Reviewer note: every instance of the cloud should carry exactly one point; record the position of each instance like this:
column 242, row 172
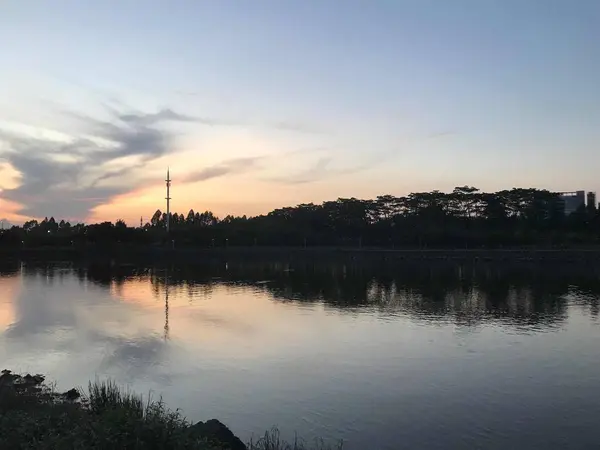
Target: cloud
column 440, row 134
column 65, row 178
column 315, row 172
column 167, row 114
column 148, row 119
column 111, row 174
column 170, row 115
column 321, row 169
column 280, row 125
column 243, row 165
column 229, row 167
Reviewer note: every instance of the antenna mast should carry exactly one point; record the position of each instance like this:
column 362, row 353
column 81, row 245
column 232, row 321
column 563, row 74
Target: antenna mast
column 168, row 199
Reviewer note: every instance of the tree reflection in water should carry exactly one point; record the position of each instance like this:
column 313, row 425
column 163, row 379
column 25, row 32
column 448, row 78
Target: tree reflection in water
column 524, row 297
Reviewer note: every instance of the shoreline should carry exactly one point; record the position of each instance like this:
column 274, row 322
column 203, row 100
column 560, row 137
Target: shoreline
column 124, row 253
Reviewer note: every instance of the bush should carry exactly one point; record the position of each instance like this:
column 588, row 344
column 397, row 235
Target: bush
column 34, row 416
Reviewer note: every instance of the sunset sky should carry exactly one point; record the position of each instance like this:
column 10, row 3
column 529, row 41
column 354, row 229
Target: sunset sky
column 261, row 104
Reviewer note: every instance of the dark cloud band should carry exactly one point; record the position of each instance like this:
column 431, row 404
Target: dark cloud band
column 57, row 177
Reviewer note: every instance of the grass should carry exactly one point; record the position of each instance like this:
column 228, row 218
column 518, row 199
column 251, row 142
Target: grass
column 272, row 441
column 34, row 416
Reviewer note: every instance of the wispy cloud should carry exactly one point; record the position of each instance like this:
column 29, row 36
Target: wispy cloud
column 111, row 174
column 440, row 134
column 315, row 172
column 61, row 178
column 237, row 166
column 160, row 116
column 335, row 163
column 319, row 170
column 229, row 167
column 296, row 126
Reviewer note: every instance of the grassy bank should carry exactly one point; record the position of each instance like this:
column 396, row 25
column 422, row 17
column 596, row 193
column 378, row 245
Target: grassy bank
column 34, row 416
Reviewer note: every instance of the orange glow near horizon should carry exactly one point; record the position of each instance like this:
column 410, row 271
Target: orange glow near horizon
column 10, row 211
column 9, row 179
column 241, row 194
column 238, row 196
column 243, row 190
column 9, row 288
column 235, row 196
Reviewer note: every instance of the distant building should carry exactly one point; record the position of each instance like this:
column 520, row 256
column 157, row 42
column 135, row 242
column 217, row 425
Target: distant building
column 591, row 200
column 572, row 201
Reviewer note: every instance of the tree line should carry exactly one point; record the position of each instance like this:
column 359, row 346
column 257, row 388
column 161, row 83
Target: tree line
column 463, row 218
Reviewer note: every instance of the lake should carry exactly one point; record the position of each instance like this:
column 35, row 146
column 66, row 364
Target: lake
column 433, row 356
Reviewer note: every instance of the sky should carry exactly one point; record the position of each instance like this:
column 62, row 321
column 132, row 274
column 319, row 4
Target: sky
column 256, row 105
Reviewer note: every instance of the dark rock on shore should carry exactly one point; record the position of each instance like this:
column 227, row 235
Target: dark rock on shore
column 72, row 394
column 217, row 433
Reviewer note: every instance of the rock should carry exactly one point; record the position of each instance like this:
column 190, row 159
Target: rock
column 72, row 394
column 217, row 433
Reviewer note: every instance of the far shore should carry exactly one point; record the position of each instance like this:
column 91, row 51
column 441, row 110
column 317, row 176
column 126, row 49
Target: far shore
column 126, row 253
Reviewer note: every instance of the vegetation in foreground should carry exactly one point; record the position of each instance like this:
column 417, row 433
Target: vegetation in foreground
column 463, row 218
column 34, row 416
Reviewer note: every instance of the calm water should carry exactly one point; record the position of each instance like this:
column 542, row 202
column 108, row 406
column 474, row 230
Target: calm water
column 435, row 357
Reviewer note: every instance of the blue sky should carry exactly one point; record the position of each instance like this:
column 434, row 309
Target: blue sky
column 261, row 104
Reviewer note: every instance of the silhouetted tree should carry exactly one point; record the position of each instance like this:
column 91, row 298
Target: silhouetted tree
column 463, row 217
column 156, row 218
column 191, row 217
column 30, row 225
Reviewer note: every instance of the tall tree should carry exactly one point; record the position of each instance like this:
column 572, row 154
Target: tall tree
column 191, row 217
column 156, row 218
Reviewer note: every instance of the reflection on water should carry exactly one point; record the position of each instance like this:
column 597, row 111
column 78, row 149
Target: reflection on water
column 428, row 357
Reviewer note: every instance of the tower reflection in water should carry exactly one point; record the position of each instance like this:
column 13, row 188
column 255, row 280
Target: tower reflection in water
column 166, row 330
